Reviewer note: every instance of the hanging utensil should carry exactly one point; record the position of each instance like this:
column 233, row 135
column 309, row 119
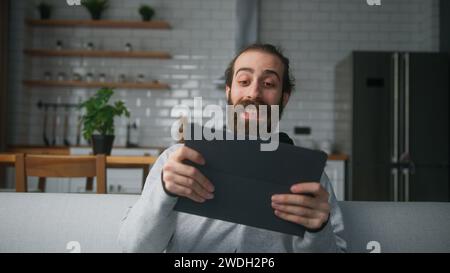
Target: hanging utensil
column 66, row 125
column 54, row 126
column 78, row 137
column 44, row 132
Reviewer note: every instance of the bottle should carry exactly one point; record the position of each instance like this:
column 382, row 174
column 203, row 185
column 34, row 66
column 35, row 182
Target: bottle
column 102, row 77
column 128, row 47
column 140, row 78
column 58, row 45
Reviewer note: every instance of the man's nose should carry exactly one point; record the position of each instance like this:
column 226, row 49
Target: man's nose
column 254, row 90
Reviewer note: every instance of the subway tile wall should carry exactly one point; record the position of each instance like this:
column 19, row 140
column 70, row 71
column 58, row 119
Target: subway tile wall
column 316, row 35
column 201, row 42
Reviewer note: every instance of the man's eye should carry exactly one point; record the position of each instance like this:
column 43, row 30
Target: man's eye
column 268, row 84
column 243, row 82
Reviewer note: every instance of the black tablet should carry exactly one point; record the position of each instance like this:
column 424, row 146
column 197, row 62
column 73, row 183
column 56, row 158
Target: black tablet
column 245, row 178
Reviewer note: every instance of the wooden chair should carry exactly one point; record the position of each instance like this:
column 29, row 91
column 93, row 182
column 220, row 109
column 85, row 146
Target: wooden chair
column 62, row 166
column 8, row 159
column 15, row 160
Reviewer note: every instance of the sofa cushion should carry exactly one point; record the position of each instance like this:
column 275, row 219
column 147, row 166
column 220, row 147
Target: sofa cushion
column 59, row 222
column 397, row 226
column 56, row 222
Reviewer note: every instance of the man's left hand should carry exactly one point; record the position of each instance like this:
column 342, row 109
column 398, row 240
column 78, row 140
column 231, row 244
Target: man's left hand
column 307, row 205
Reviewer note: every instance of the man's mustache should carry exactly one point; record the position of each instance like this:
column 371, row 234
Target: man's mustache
column 256, row 102
column 247, row 101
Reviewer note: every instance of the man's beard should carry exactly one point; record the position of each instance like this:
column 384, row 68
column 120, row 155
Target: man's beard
column 265, row 121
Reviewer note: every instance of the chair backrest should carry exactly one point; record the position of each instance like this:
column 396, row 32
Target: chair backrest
column 63, row 166
column 10, row 159
column 7, row 159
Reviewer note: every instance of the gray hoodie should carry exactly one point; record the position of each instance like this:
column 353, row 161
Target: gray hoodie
column 152, row 225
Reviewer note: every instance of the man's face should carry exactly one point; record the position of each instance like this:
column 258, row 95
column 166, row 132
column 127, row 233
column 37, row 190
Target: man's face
column 257, row 80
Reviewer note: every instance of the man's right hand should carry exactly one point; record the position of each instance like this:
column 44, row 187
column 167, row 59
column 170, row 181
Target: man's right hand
column 184, row 180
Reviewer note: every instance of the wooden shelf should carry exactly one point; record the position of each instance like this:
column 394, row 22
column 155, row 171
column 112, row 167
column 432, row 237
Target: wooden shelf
column 157, row 24
column 97, row 53
column 125, row 85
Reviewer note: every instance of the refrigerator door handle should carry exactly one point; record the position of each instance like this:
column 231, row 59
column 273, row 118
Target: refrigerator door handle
column 406, row 179
column 406, row 103
column 394, row 174
column 394, row 147
column 406, row 133
column 394, row 158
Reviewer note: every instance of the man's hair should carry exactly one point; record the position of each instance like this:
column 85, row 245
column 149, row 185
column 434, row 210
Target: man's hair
column 288, row 80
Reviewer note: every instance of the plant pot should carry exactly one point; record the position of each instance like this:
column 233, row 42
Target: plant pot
column 96, row 15
column 44, row 13
column 146, row 17
column 102, row 144
column 146, row 13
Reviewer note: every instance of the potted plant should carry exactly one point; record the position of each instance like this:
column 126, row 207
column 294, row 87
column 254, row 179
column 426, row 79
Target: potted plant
column 45, row 10
column 146, row 12
column 98, row 120
column 95, row 7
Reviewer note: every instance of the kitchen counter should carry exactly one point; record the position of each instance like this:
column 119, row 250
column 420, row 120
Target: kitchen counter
column 124, row 178
column 82, row 149
column 122, row 150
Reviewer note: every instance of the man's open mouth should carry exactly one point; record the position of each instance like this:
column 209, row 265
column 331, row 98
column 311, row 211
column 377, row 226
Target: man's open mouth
column 250, row 115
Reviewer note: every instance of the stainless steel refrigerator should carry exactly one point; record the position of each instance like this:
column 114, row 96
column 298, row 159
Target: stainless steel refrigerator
column 399, row 139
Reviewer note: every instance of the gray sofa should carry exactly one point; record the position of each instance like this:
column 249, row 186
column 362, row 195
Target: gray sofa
column 56, row 222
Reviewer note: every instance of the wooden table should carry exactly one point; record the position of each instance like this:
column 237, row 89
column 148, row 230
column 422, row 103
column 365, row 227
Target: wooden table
column 126, row 162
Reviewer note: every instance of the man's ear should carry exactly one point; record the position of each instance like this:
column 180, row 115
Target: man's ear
column 227, row 91
column 286, row 97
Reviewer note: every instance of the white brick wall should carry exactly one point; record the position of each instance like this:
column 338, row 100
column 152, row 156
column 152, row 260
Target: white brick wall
column 201, row 49
column 316, row 35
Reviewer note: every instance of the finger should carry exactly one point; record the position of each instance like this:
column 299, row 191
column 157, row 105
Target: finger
column 184, row 191
column 300, row 211
column 192, row 184
column 310, row 223
column 296, row 199
column 314, row 188
column 190, row 154
column 189, row 171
